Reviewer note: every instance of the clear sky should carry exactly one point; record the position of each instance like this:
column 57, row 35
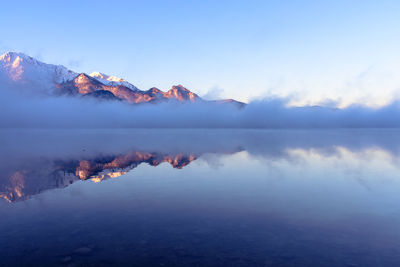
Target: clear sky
column 309, row 50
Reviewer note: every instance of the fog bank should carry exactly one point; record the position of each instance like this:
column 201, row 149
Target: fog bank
column 30, row 111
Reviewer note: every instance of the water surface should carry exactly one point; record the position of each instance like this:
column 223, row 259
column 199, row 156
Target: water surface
column 200, row 197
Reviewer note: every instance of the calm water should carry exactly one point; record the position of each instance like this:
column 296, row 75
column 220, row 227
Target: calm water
column 200, row 198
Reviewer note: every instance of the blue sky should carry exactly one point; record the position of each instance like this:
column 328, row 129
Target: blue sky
column 346, row 51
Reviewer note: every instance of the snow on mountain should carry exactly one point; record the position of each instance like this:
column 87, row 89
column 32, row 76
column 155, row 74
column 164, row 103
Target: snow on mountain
column 20, row 71
column 25, row 69
column 112, row 80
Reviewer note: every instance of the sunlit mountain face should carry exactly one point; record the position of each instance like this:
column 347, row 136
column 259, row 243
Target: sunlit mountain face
column 19, row 70
column 85, row 85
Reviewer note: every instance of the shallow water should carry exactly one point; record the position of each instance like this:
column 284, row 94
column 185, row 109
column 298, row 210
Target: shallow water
column 200, row 197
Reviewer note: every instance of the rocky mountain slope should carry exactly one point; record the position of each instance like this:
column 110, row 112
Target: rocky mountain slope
column 28, row 73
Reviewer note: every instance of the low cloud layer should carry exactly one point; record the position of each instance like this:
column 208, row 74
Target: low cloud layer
column 30, row 111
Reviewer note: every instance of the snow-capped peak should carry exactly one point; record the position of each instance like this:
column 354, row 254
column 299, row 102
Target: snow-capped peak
column 20, row 67
column 12, row 56
column 111, row 80
column 106, row 77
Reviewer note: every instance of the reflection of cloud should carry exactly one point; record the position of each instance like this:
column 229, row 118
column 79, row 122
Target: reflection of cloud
column 38, row 160
column 212, row 160
column 361, row 165
column 264, row 143
column 340, row 153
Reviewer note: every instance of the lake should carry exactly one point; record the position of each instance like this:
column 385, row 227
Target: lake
column 180, row 197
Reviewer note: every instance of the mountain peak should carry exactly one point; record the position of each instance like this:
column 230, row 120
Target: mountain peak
column 112, row 80
column 154, row 90
column 180, row 87
column 12, row 56
column 106, row 77
column 15, row 59
column 20, row 67
column 181, row 93
column 56, row 79
column 83, row 76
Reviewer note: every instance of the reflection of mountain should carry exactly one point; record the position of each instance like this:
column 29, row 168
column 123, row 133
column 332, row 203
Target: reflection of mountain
column 37, row 160
column 31, row 179
column 101, row 168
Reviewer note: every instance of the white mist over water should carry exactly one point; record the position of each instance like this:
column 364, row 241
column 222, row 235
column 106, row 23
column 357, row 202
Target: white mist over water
column 21, row 108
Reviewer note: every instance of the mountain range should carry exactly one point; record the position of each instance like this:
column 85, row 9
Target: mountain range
column 27, row 73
